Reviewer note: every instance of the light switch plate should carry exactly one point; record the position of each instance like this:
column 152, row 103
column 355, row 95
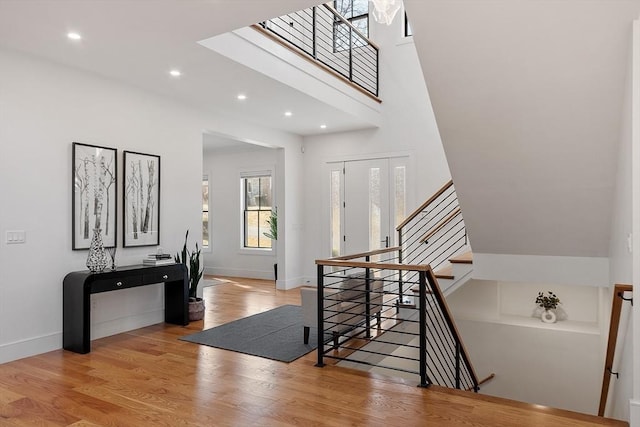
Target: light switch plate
column 16, row 236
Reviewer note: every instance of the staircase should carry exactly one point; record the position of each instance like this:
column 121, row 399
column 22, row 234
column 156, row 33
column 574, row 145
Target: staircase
column 435, row 234
column 456, row 273
column 415, row 335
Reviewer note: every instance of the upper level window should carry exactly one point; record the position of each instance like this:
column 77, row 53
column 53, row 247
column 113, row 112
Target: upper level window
column 257, row 202
column 357, row 13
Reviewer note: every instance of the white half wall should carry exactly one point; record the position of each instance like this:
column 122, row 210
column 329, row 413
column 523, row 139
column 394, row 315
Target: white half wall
column 536, row 365
column 558, row 365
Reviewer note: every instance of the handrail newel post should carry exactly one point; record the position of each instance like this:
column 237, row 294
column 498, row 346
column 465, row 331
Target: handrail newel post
column 424, row 381
column 401, row 273
column 350, row 54
column 313, row 29
column 367, row 300
column 320, row 316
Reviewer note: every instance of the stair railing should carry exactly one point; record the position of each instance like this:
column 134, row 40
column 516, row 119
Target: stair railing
column 433, row 233
column 326, row 36
column 616, row 309
column 418, row 337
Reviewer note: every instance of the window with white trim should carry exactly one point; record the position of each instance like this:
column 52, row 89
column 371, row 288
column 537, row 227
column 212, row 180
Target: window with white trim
column 206, row 243
column 257, row 203
column 357, row 13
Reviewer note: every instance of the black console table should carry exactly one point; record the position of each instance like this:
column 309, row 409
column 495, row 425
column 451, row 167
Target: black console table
column 78, row 286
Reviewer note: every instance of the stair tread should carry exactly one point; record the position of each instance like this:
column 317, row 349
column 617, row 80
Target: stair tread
column 465, row 258
column 524, row 411
column 445, row 272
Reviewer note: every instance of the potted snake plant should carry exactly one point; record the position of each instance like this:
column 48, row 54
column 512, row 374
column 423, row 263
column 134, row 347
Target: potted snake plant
column 192, row 261
column 273, row 234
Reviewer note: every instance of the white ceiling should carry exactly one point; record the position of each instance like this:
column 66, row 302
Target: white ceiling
column 137, row 42
column 223, row 144
column 528, row 97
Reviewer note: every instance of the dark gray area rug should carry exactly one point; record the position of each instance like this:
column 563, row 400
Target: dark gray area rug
column 275, row 334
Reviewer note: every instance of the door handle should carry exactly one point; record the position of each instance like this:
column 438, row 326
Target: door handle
column 385, row 241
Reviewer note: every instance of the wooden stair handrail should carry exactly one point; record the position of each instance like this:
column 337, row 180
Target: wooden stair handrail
column 424, row 205
column 365, row 254
column 365, row 264
column 486, row 380
column 441, row 224
column 616, row 308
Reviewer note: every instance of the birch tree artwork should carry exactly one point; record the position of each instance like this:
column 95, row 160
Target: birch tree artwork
column 141, row 199
column 94, row 194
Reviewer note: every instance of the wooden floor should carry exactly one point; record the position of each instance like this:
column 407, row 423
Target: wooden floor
column 148, row 377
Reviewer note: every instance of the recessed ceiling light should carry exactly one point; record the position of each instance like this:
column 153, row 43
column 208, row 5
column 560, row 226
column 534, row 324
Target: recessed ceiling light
column 242, row 97
column 74, row 36
column 288, row 113
column 323, row 126
column 175, row 73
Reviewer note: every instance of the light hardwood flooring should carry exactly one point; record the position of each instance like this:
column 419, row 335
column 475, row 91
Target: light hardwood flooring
column 147, row 377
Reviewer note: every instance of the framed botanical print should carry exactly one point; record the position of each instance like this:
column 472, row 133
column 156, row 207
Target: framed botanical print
column 94, row 202
column 141, row 200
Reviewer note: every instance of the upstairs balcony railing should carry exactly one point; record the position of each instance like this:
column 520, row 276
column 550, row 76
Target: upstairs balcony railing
column 323, row 34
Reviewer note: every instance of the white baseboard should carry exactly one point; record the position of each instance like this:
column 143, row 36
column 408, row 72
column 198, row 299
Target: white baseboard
column 310, row 281
column 237, row 272
column 285, row 285
column 45, row 343
column 30, row 347
column 634, row 413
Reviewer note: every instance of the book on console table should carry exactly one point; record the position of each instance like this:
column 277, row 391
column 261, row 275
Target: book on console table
column 160, row 256
column 154, row 261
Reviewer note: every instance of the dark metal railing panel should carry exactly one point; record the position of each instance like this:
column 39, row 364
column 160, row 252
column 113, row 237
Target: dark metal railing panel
column 436, row 234
column 417, row 337
column 327, row 37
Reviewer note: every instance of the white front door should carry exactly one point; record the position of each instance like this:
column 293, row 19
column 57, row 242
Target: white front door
column 366, row 206
column 367, row 201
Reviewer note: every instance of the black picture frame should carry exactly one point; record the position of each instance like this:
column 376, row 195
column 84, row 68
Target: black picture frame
column 141, row 199
column 94, row 194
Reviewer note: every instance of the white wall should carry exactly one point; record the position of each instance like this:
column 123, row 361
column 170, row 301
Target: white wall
column 621, row 263
column 549, row 367
column 620, row 388
column 45, row 107
column 407, row 127
column 225, row 256
column 558, row 365
column 588, row 271
column 634, row 412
